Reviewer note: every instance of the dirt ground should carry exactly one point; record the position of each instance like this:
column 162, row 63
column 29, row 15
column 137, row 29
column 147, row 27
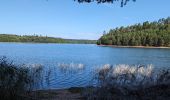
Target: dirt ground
column 62, row 94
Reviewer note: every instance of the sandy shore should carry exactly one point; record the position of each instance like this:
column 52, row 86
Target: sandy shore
column 115, row 46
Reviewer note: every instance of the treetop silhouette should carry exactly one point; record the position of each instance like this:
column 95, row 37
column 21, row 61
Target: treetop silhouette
column 123, row 2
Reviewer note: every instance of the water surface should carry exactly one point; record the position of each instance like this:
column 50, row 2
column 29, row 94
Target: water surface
column 71, row 65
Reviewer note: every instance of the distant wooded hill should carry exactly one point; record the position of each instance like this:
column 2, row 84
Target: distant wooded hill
column 155, row 33
column 41, row 39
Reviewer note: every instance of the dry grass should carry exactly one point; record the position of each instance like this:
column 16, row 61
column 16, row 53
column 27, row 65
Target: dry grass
column 71, row 67
column 130, row 82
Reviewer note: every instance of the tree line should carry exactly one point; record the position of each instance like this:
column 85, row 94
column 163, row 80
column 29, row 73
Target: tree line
column 41, row 39
column 155, row 33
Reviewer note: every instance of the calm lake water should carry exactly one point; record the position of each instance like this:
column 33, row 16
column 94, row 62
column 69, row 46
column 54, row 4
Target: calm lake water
column 71, row 65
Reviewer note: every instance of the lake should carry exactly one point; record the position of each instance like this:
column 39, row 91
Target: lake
column 70, row 65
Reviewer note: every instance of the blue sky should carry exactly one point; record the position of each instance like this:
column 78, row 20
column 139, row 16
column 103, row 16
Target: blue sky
column 69, row 19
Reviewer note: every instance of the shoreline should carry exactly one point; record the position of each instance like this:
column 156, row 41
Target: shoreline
column 72, row 93
column 76, row 93
column 114, row 46
column 41, row 43
column 151, row 47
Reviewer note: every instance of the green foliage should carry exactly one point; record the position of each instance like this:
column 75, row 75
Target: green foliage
column 41, row 39
column 78, row 41
column 147, row 34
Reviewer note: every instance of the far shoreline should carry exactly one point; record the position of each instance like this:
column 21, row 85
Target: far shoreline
column 149, row 47
column 42, row 43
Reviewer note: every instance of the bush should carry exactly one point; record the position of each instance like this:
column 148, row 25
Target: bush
column 16, row 81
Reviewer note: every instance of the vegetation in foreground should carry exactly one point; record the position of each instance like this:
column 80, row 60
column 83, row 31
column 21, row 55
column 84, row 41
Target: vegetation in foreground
column 120, row 82
column 124, row 82
column 41, row 39
column 155, row 33
column 17, row 81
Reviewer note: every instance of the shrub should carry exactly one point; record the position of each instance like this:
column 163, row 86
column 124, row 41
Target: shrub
column 16, row 80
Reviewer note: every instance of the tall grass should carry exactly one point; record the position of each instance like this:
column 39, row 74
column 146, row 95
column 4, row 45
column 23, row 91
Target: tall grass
column 130, row 82
column 71, row 67
column 17, row 80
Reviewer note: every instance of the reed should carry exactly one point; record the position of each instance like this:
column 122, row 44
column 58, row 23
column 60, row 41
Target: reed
column 124, row 82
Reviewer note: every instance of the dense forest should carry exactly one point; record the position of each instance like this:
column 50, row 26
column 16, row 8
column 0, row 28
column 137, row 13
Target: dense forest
column 41, row 39
column 155, row 33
